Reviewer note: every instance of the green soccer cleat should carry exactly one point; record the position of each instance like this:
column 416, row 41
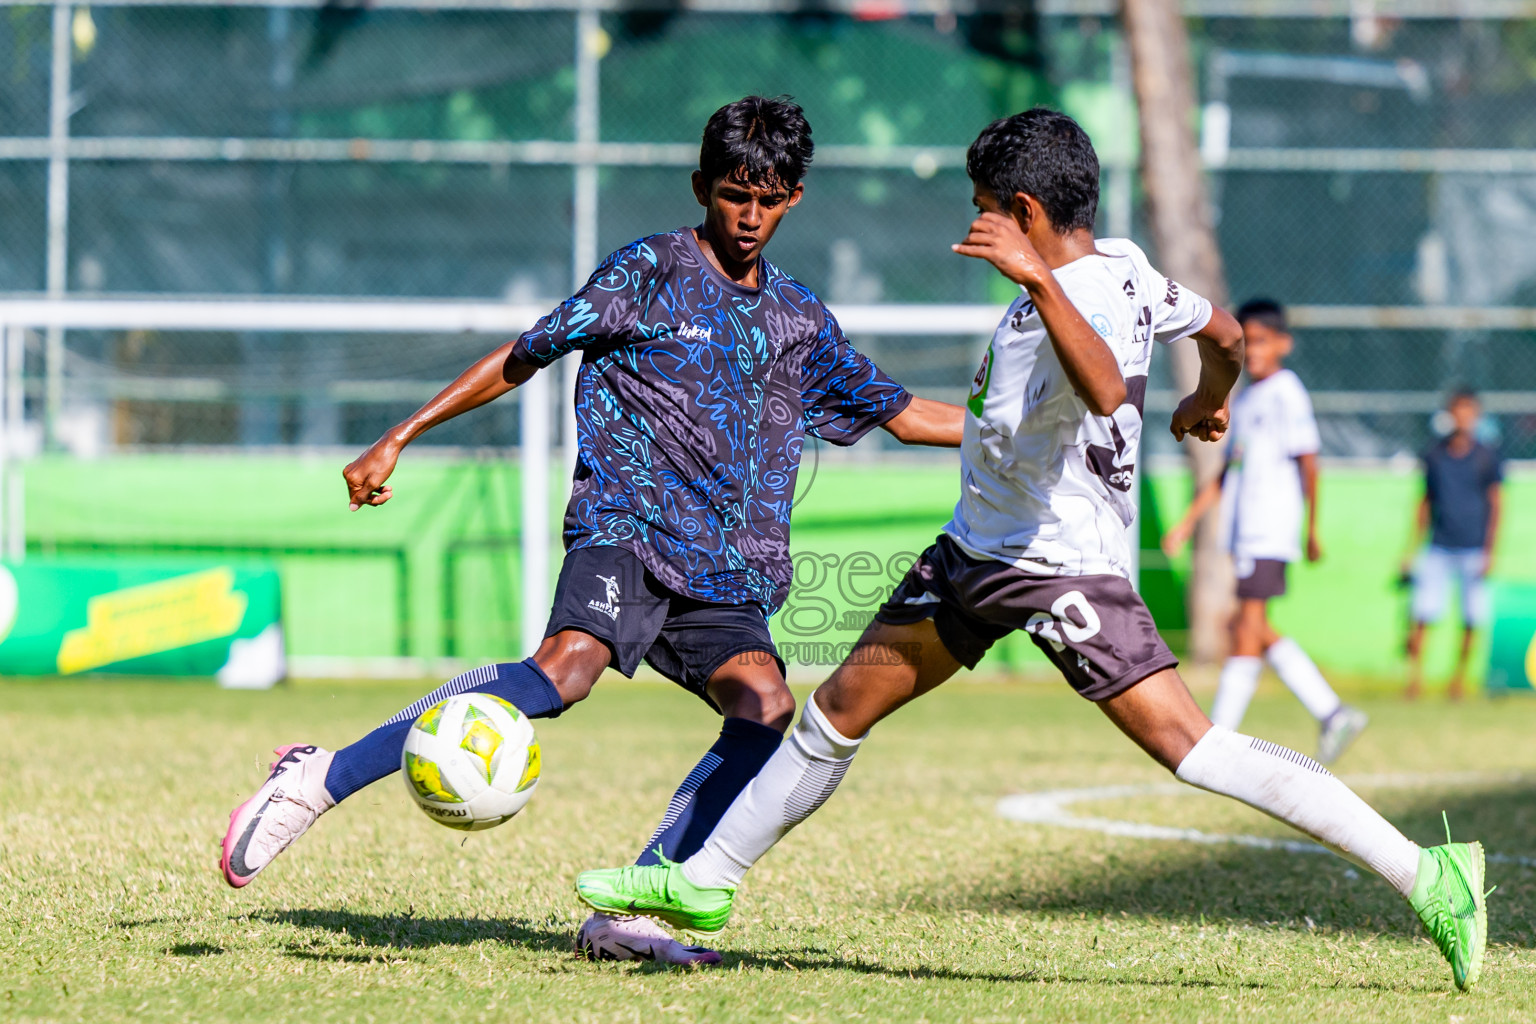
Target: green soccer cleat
column 657, row 890
column 1448, row 897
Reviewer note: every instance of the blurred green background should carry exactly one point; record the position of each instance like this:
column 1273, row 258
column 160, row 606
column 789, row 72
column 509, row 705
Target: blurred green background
column 451, row 529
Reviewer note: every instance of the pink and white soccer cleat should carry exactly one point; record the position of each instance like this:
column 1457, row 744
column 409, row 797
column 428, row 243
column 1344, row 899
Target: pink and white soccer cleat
column 603, row 937
column 282, row 810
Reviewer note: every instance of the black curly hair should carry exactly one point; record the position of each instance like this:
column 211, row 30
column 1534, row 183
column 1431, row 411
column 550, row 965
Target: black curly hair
column 1263, row 311
column 759, row 138
column 1043, row 153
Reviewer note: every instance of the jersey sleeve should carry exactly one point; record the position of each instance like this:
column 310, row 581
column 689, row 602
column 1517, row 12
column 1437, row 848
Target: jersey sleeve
column 843, row 393
column 1495, row 468
column 603, row 313
column 1177, row 312
column 1301, row 437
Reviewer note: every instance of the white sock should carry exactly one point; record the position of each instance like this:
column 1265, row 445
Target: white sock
column 1300, row 792
column 1239, row 680
column 1301, row 676
column 797, row 779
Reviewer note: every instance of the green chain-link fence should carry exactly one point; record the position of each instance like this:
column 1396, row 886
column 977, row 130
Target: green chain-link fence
column 1386, row 166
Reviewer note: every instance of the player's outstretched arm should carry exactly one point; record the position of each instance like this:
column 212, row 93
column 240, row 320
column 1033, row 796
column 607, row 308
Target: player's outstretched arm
column 485, row 381
column 1416, row 535
column 925, row 421
column 1495, row 513
column 1207, row 497
column 1089, row 364
column 1204, row 413
column 1307, row 465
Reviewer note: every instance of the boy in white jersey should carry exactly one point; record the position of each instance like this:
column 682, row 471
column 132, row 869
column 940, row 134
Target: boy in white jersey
column 1038, row 542
column 1269, row 479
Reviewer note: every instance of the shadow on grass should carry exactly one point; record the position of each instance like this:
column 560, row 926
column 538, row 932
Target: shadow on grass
column 805, row 962
column 381, row 957
column 196, row 949
column 1222, row 884
column 407, row 931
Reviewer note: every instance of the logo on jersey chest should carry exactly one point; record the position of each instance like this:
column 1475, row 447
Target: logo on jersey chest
column 692, row 332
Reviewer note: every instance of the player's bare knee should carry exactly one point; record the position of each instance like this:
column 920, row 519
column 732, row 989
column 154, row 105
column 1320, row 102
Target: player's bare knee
column 777, row 707
column 573, row 661
column 763, row 697
column 572, row 682
column 835, row 697
column 1160, row 716
column 1172, row 745
column 573, row 691
column 853, row 701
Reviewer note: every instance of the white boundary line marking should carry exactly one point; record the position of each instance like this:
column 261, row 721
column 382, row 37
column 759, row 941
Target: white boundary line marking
column 1051, row 807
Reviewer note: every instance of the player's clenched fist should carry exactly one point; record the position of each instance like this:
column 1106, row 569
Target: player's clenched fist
column 1198, row 418
column 365, row 475
column 997, row 238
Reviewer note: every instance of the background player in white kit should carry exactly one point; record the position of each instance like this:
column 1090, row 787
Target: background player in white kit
column 1270, row 478
column 1038, row 542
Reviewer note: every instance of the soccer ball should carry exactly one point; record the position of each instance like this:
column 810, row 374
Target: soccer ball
column 471, row 761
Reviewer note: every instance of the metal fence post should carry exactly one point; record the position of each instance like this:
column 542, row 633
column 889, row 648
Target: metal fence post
column 7, row 439
column 536, row 393
column 58, row 215
column 534, row 415
column 589, row 53
column 15, row 420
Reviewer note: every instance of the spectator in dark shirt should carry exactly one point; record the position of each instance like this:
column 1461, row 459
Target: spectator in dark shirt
column 1460, row 513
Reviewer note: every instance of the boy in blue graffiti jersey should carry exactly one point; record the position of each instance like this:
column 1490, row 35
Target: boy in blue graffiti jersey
column 703, row 368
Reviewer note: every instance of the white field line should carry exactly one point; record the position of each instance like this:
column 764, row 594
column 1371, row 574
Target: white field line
column 1052, row 808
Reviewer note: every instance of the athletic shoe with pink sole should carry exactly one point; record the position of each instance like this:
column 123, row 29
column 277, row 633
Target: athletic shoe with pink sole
column 282, row 810
column 605, row 937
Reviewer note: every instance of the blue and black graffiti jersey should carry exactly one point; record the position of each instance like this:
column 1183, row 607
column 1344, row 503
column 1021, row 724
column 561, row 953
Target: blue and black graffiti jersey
column 692, row 404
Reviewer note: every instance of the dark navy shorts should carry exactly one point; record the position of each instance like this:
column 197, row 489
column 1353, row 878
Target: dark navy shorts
column 609, row 593
column 1095, row 629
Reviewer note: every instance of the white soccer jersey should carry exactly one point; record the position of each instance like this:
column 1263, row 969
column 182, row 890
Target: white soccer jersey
column 1261, row 499
column 1046, row 484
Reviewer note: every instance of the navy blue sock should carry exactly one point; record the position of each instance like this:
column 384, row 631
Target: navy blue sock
column 376, row 755
column 701, row 801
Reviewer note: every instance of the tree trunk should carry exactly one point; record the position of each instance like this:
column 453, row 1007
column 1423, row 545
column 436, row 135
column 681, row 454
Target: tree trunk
column 1185, row 241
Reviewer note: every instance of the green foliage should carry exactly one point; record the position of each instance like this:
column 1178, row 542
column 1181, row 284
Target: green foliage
column 881, row 84
column 29, row 31
column 884, row 84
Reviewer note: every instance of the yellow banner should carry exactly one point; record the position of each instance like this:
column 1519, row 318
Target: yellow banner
column 155, row 617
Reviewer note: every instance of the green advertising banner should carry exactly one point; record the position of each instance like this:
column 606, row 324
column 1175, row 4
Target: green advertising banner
column 1512, row 650
column 69, row 616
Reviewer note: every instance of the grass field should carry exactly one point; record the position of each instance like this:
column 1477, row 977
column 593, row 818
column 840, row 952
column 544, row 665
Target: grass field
column 907, row 898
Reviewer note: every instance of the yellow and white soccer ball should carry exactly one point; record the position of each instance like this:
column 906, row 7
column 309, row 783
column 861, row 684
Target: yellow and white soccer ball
column 471, row 761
